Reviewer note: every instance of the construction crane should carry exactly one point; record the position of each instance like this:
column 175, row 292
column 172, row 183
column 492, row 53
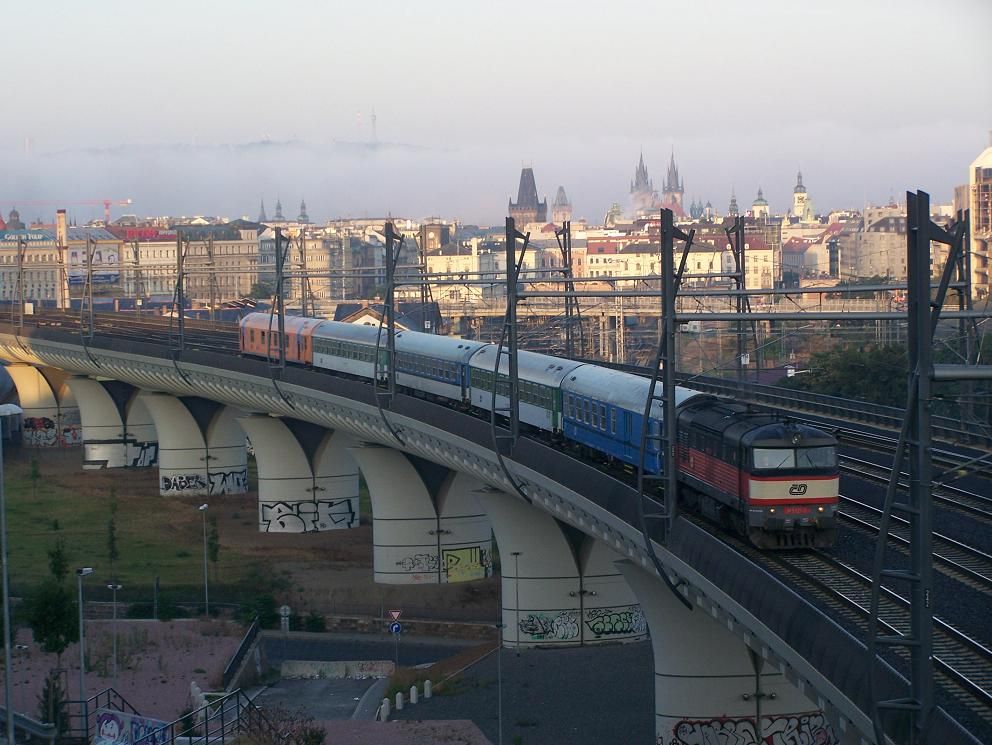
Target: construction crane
column 73, row 203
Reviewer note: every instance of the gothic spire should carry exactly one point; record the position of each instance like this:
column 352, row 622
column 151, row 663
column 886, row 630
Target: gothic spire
column 261, row 211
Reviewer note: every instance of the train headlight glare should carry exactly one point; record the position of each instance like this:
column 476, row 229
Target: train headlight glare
column 772, row 510
column 820, row 509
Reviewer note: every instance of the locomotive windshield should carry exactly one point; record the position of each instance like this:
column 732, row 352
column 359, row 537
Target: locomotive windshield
column 789, row 458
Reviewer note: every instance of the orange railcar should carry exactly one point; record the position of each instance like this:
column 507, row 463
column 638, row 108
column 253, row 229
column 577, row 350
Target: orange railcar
column 260, row 337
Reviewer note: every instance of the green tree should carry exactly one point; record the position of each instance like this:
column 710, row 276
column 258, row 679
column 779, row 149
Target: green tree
column 58, row 561
column 876, row 374
column 261, row 290
column 52, row 615
column 51, row 702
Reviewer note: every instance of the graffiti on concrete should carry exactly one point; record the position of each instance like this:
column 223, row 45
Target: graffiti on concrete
column 419, row 563
column 796, row 729
column 561, row 626
column 120, row 728
column 466, row 564
column 142, row 454
column 39, row 432
column 181, row 482
column 228, row 482
column 308, row 516
column 72, row 435
column 627, row 620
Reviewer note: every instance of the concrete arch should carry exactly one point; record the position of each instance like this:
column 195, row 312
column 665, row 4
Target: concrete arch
column 51, row 416
column 706, row 678
column 110, row 440
column 423, row 521
column 201, row 446
column 307, row 480
column 547, row 599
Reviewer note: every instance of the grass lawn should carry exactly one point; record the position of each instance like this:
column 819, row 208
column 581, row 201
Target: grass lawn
column 156, row 536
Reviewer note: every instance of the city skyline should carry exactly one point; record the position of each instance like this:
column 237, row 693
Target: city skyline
column 164, row 109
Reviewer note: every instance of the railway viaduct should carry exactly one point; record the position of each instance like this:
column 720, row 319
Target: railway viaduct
column 735, row 647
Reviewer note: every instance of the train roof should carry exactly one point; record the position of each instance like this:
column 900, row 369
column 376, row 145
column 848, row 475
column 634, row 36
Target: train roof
column 617, row 388
column 739, row 423
column 531, row 366
column 350, row 332
column 266, row 321
column 448, row 348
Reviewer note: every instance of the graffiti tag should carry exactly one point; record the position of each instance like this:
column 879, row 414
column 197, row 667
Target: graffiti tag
column 626, row 621
column 228, row 482
column 419, row 563
column 183, row 482
column 309, row 516
column 561, row 627
column 142, row 454
column 800, row 729
column 39, row 432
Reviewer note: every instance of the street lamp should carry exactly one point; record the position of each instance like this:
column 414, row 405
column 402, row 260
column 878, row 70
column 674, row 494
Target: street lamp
column 6, row 410
column 80, row 573
column 206, row 589
column 114, row 587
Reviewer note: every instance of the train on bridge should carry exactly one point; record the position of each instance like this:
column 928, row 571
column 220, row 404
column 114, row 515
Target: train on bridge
column 772, row 479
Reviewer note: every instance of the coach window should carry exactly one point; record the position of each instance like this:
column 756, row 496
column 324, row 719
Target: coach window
column 613, row 421
column 602, row 417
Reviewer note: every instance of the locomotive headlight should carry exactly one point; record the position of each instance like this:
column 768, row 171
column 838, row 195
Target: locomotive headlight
column 819, row 509
column 772, row 510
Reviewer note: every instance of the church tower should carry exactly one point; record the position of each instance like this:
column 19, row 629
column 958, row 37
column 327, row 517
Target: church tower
column 801, row 207
column 527, row 208
column 643, row 197
column 261, row 212
column 733, row 210
column 561, row 210
column 304, row 217
column 671, row 195
column 278, row 217
column 759, row 207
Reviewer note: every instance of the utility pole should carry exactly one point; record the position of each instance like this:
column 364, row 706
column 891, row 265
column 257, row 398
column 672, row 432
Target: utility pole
column 280, row 296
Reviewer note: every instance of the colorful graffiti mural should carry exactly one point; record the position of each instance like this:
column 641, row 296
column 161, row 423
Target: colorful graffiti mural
column 120, row 728
column 466, row 563
column 308, row 516
column 796, row 729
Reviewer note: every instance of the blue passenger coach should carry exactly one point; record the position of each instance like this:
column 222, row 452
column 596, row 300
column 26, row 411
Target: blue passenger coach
column 434, row 364
column 603, row 409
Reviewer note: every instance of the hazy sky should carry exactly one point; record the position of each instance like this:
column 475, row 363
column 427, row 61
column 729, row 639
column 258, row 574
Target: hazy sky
column 869, row 97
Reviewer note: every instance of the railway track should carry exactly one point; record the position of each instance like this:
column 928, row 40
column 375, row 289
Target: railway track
column 962, row 665
column 968, row 503
column 951, row 557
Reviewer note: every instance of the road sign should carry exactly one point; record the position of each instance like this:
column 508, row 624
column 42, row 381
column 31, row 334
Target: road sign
column 395, row 614
column 396, row 627
column 285, row 611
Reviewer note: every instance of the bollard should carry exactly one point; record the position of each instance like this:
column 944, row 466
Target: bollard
column 427, row 689
column 399, row 701
column 413, row 694
column 384, row 710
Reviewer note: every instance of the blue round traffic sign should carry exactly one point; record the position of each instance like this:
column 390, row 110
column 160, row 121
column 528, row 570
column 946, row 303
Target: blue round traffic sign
column 395, row 627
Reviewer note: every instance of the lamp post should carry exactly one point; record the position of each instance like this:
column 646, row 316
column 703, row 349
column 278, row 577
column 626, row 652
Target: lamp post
column 80, row 573
column 114, row 587
column 206, row 589
column 6, row 410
